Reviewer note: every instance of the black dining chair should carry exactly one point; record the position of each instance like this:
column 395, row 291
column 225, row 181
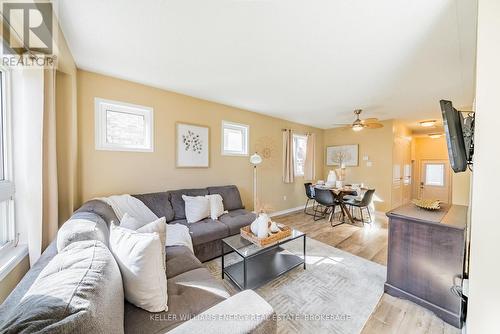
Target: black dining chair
column 325, row 198
column 364, row 203
column 310, row 197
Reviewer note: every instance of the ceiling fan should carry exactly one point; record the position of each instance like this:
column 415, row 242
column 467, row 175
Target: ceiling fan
column 360, row 124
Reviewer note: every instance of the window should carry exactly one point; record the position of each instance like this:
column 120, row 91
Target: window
column 123, row 127
column 299, row 154
column 234, row 138
column 7, row 227
column 434, row 175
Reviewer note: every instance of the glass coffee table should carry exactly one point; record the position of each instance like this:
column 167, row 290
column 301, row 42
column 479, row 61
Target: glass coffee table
column 260, row 265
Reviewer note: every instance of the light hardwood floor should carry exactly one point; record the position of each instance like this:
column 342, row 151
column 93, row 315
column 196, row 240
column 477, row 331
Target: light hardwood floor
column 369, row 241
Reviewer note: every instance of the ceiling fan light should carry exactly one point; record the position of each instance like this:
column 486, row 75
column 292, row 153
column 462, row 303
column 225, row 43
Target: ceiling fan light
column 357, row 127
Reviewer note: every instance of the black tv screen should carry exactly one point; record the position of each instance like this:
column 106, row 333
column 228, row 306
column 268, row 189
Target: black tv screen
column 453, row 122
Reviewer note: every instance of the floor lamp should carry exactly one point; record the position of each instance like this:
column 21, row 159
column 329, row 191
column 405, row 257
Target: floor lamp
column 255, row 160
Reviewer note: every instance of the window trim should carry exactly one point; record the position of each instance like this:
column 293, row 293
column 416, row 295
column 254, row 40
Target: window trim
column 100, row 125
column 296, row 135
column 246, row 144
column 7, row 186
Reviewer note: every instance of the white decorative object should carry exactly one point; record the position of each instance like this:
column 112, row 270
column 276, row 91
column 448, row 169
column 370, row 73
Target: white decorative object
column 274, row 227
column 193, row 145
column 197, row 208
column 342, row 155
column 255, row 159
column 254, row 227
column 332, row 178
column 141, row 262
column 263, row 230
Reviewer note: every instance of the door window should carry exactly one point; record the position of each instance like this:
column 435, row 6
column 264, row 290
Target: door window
column 434, row 175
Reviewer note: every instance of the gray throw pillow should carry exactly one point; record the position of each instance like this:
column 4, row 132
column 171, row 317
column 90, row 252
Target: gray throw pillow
column 79, row 291
column 82, row 226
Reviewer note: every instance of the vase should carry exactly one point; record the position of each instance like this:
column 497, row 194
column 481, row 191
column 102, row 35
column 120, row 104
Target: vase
column 331, row 179
column 263, row 228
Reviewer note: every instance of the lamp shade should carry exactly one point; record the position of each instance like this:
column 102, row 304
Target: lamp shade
column 255, row 159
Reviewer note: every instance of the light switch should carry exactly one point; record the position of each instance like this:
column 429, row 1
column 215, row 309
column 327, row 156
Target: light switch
column 369, row 164
column 366, row 158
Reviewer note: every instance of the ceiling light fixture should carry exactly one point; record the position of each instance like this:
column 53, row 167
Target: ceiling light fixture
column 357, row 127
column 428, row 123
column 435, row 135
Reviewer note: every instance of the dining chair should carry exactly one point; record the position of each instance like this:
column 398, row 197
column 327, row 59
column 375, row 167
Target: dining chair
column 364, row 203
column 325, row 198
column 310, row 192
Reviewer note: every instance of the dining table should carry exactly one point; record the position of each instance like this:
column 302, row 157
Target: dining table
column 338, row 194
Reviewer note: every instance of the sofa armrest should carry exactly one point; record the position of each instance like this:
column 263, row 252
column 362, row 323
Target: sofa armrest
column 245, row 312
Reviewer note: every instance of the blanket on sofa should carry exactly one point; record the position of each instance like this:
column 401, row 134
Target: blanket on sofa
column 177, row 234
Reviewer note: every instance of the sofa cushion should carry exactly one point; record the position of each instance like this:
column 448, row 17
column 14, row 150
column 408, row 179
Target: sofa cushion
column 79, row 291
column 205, row 230
column 80, row 227
column 178, row 203
column 104, row 210
column 190, row 294
column 159, row 203
column 230, row 196
column 180, row 259
column 236, row 219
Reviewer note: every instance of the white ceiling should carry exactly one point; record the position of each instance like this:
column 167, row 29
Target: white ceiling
column 309, row 61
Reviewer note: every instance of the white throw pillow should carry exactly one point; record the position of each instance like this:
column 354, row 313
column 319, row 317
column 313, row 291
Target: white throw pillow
column 159, row 226
column 216, row 206
column 197, row 208
column 141, row 263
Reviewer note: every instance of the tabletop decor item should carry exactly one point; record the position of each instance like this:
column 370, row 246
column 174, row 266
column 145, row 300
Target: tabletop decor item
column 428, row 204
column 192, row 146
column 271, row 238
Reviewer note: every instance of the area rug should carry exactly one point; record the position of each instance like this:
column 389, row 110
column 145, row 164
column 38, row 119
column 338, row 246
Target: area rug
column 335, row 294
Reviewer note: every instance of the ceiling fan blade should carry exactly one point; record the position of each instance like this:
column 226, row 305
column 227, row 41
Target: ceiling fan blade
column 370, row 120
column 374, row 125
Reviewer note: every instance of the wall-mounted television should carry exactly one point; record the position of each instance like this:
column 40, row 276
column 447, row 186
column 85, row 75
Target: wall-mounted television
column 459, row 132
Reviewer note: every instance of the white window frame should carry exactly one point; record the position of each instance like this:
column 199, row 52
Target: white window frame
column 102, row 105
column 7, row 187
column 294, row 155
column 245, row 129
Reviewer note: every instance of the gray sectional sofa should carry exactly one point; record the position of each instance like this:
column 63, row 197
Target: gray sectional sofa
column 197, row 302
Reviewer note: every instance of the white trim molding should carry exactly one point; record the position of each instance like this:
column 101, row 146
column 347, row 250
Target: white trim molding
column 102, row 106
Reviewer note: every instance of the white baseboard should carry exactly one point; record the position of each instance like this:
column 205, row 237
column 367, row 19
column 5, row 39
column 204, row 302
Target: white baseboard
column 287, row 211
column 380, row 214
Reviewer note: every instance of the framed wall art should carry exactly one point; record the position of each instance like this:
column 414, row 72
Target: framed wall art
column 192, row 145
column 342, row 155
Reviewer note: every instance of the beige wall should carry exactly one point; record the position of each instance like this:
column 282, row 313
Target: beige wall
column 105, row 172
column 427, row 148
column 377, row 144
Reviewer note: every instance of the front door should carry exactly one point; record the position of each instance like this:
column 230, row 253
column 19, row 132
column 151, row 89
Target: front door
column 435, row 181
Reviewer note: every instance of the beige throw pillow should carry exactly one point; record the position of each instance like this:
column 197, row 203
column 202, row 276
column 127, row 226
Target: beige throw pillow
column 216, row 206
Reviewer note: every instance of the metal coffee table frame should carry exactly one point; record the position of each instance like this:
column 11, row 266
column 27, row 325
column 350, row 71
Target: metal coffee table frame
column 260, row 265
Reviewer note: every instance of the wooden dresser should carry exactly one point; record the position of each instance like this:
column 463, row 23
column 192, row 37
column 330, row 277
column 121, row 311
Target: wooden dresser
column 425, row 261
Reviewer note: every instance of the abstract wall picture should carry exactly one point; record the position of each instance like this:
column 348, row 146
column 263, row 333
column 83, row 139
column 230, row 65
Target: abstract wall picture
column 193, row 145
column 342, row 155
